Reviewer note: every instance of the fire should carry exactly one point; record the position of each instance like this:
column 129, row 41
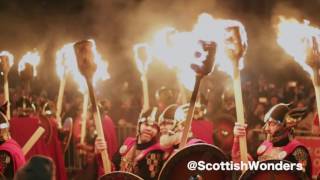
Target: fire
column 181, row 49
column 32, row 58
column 64, row 58
column 67, row 62
column 222, row 60
column 295, row 38
column 101, row 73
column 142, row 64
column 9, row 55
column 161, row 46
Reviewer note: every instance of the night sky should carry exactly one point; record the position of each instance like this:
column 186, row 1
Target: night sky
column 116, row 25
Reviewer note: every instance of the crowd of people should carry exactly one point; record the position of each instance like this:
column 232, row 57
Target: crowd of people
column 152, row 137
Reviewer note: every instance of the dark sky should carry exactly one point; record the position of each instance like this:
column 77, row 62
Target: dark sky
column 118, row 24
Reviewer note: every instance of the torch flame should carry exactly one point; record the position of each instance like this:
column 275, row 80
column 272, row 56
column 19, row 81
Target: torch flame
column 32, row 58
column 67, row 61
column 181, row 49
column 9, row 55
column 142, row 67
column 223, row 61
column 295, row 38
column 101, row 73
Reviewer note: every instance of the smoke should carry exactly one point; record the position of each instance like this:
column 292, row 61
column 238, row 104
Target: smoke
column 117, row 25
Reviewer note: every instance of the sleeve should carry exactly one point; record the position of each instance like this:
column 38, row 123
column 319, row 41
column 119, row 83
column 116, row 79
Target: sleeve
column 116, row 160
column 301, row 155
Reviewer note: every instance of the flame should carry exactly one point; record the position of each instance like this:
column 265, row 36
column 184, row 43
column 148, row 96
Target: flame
column 66, row 62
column 101, row 73
column 295, row 38
column 142, row 67
column 9, row 55
column 64, row 58
column 32, row 58
column 181, row 49
column 161, row 46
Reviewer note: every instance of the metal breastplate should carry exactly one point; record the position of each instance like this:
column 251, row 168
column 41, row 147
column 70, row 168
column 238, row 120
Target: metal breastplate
column 128, row 162
column 273, row 153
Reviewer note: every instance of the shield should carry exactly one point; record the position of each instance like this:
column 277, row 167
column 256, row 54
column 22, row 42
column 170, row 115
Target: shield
column 120, row 175
column 66, row 133
column 177, row 166
column 223, row 133
column 275, row 174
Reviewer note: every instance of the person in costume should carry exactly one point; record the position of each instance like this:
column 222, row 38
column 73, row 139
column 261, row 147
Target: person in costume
column 142, row 155
column 280, row 144
column 11, row 156
column 171, row 123
column 26, row 121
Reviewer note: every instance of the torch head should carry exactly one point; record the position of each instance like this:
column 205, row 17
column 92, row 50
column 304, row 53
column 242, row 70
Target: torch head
column 4, row 64
column 207, row 65
column 27, row 73
column 235, row 47
column 313, row 54
column 85, row 58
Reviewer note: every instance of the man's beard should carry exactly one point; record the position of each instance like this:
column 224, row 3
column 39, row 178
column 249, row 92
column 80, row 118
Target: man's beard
column 279, row 135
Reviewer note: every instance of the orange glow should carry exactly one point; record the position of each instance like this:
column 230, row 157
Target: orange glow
column 9, row 55
column 32, row 58
column 142, row 65
column 295, row 38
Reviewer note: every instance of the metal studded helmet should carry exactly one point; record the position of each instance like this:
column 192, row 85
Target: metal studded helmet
column 25, row 106
column 286, row 117
column 150, row 117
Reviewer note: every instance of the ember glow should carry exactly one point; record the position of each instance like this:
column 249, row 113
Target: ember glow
column 9, row 55
column 295, row 38
column 32, row 58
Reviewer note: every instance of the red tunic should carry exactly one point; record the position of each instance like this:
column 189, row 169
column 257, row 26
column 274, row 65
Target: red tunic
column 22, row 128
column 203, row 129
column 14, row 149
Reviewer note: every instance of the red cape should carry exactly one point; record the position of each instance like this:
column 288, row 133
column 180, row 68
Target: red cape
column 22, row 128
column 203, row 129
column 14, row 149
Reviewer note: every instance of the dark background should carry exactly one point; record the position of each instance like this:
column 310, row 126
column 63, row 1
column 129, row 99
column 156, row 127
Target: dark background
column 46, row 25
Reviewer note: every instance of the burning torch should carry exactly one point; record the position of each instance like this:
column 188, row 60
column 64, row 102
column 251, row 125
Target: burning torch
column 201, row 71
column 235, row 50
column 27, row 70
column 6, row 61
column 61, row 68
column 143, row 57
column 301, row 41
column 87, row 67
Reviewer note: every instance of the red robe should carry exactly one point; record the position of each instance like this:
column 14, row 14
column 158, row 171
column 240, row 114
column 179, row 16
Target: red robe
column 22, row 128
column 14, row 149
column 203, row 129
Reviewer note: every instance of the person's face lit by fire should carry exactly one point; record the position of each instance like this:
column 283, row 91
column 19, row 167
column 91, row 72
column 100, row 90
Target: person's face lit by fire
column 272, row 126
column 165, row 126
column 147, row 132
